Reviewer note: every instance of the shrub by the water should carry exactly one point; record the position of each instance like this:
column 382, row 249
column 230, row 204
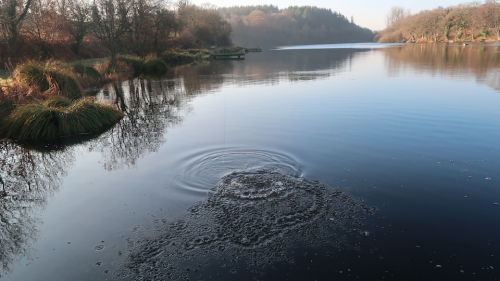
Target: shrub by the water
column 38, row 73
column 79, row 68
column 92, row 72
column 198, row 51
column 58, row 116
column 175, row 57
column 87, row 76
column 131, row 61
column 103, row 67
column 86, row 70
column 153, row 65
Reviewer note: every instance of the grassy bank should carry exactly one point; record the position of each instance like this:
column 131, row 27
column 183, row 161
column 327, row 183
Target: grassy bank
column 45, row 100
column 58, row 116
column 179, row 57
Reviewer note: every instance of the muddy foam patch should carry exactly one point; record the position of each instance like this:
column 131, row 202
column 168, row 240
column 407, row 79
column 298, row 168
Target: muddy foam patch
column 254, row 217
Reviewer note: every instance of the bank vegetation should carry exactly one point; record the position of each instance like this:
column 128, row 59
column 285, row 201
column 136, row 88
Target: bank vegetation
column 78, row 29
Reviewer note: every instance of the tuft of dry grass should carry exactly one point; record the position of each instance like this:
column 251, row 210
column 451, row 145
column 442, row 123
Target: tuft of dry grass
column 46, row 74
column 22, row 93
column 58, row 116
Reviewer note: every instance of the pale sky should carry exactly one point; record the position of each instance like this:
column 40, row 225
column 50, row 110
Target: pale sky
column 370, row 14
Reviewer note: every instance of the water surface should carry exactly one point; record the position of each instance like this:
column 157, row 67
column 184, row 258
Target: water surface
column 369, row 163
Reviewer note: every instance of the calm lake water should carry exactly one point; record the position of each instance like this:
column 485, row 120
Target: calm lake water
column 358, row 161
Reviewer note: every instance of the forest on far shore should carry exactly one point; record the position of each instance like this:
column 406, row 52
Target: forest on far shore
column 474, row 21
column 267, row 25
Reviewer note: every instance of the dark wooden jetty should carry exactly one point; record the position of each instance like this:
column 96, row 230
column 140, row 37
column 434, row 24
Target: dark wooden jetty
column 229, row 56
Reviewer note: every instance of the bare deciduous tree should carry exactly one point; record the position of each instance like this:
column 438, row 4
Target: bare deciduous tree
column 110, row 23
column 395, row 14
column 79, row 17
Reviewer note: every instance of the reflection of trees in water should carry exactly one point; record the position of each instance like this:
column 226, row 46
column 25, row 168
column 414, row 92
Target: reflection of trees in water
column 201, row 79
column 272, row 66
column 32, row 174
column 150, row 107
column 481, row 62
column 269, row 67
column 30, row 177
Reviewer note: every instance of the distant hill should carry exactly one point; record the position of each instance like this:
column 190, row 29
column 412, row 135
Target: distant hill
column 267, row 25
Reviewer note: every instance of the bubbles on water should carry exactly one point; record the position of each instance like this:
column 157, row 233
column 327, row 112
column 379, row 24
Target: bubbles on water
column 253, row 215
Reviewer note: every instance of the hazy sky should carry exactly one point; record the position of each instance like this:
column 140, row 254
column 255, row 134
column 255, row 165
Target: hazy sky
column 366, row 13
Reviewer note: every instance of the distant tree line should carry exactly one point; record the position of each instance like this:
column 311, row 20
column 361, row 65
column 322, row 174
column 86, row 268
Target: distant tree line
column 68, row 29
column 474, row 21
column 268, row 25
column 74, row 29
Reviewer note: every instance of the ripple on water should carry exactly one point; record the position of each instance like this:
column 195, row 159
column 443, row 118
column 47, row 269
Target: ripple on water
column 202, row 170
column 255, row 215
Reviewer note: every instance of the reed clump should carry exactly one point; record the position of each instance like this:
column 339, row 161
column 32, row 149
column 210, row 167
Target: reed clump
column 58, row 116
column 45, row 74
column 152, row 65
column 15, row 91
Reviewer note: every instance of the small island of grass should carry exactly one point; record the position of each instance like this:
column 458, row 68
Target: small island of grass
column 45, row 100
column 59, row 116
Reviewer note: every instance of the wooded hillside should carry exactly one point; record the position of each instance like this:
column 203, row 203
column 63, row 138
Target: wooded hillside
column 269, row 26
column 474, row 21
